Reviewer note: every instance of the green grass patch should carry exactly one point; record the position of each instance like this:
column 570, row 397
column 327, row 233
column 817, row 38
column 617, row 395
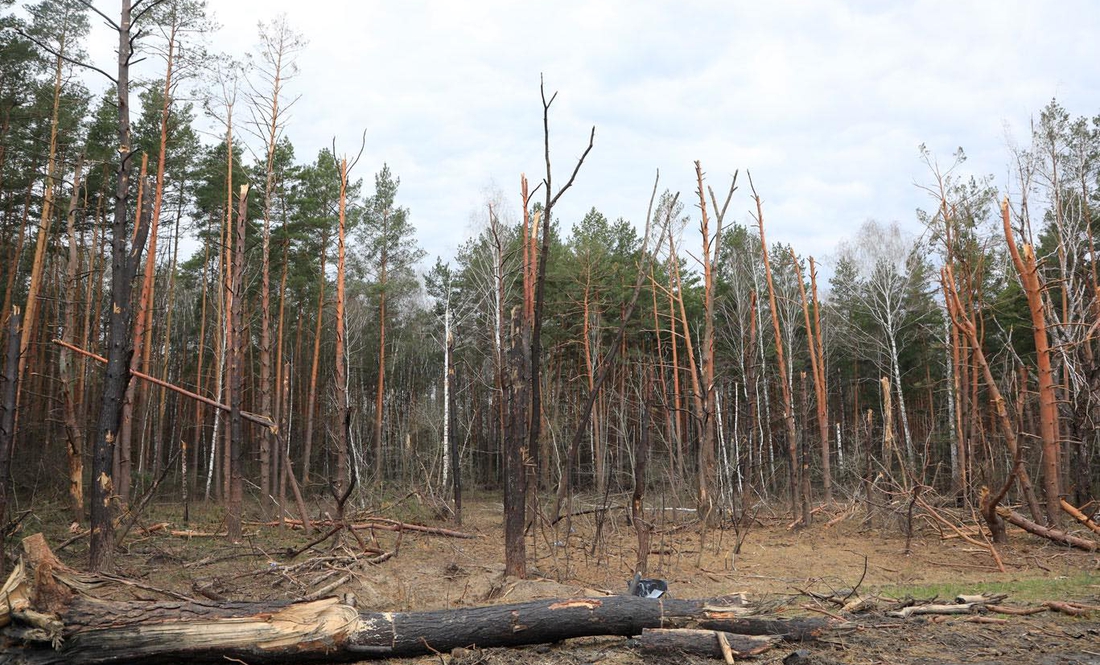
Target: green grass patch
column 1077, row 585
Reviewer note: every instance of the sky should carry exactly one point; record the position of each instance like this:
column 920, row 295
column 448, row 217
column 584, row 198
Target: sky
column 824, row 102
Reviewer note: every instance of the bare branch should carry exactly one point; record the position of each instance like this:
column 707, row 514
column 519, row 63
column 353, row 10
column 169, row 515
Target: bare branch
column 152, row 5
column 108, row 19
column 58, row 54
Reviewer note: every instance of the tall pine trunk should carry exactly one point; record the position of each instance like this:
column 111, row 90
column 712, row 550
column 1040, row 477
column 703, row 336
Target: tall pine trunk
column 236, row 375
column 74, row 434
column 342, row 411
column 794, row 481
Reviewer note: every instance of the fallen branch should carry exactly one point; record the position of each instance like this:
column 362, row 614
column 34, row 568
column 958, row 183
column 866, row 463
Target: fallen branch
column 393, row 525
column 377, row 523
column 1072, row 609
column 1016, row 611
column 191, row 533
column 254, row 417
column 986, row 620
column 986, row 546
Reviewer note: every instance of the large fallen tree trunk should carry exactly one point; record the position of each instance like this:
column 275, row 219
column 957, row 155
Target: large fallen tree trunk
column 1057, row 535
column 48, row 617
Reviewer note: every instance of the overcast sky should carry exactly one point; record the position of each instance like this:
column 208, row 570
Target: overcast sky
column 825, row 102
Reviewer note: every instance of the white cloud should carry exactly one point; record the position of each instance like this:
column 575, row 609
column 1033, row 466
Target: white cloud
column 825, row 102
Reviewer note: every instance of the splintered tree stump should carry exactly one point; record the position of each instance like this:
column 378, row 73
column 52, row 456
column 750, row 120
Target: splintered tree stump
column 703, row 642
column 48, row 617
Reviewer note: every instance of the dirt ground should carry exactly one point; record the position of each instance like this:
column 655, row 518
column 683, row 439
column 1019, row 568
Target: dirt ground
column 780, row 568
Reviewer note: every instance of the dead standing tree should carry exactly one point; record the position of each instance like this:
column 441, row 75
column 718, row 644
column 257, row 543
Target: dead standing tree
column 274, row 66
column 9, row 383
column 342, row 488
column 817, row 355
column 124, row 265
column 1025, row 264
column 515, row 488
column 708, row 416
column 794, row 483
column 236, row 373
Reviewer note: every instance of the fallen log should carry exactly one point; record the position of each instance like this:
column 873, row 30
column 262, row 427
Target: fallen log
column 380, row 523
column 1072, row 609
column 1047, row 532
column 961, row 608
column 51, row 618
column 1016, row 611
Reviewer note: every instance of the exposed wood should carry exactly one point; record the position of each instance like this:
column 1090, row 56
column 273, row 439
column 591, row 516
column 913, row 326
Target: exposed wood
column 1080, row 517
column 989, row 504
column 1015, row 611
column 1048, row 401
column 957, row 608
column 1072, row 609
column 343, row 412
column 821, row 387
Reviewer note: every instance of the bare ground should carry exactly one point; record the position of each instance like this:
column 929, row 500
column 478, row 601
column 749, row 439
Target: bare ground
column 777, row 566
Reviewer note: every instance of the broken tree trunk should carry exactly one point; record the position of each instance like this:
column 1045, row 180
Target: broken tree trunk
column 1057, row 535
column 1028, row 269
column 1080, row 517
column 45, row 611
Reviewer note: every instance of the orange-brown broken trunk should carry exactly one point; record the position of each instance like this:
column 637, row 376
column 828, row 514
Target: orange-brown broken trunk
column 46, row 617
column 1048, row 400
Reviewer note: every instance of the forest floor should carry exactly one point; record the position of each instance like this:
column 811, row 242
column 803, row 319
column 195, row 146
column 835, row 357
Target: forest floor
column 778, row 567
